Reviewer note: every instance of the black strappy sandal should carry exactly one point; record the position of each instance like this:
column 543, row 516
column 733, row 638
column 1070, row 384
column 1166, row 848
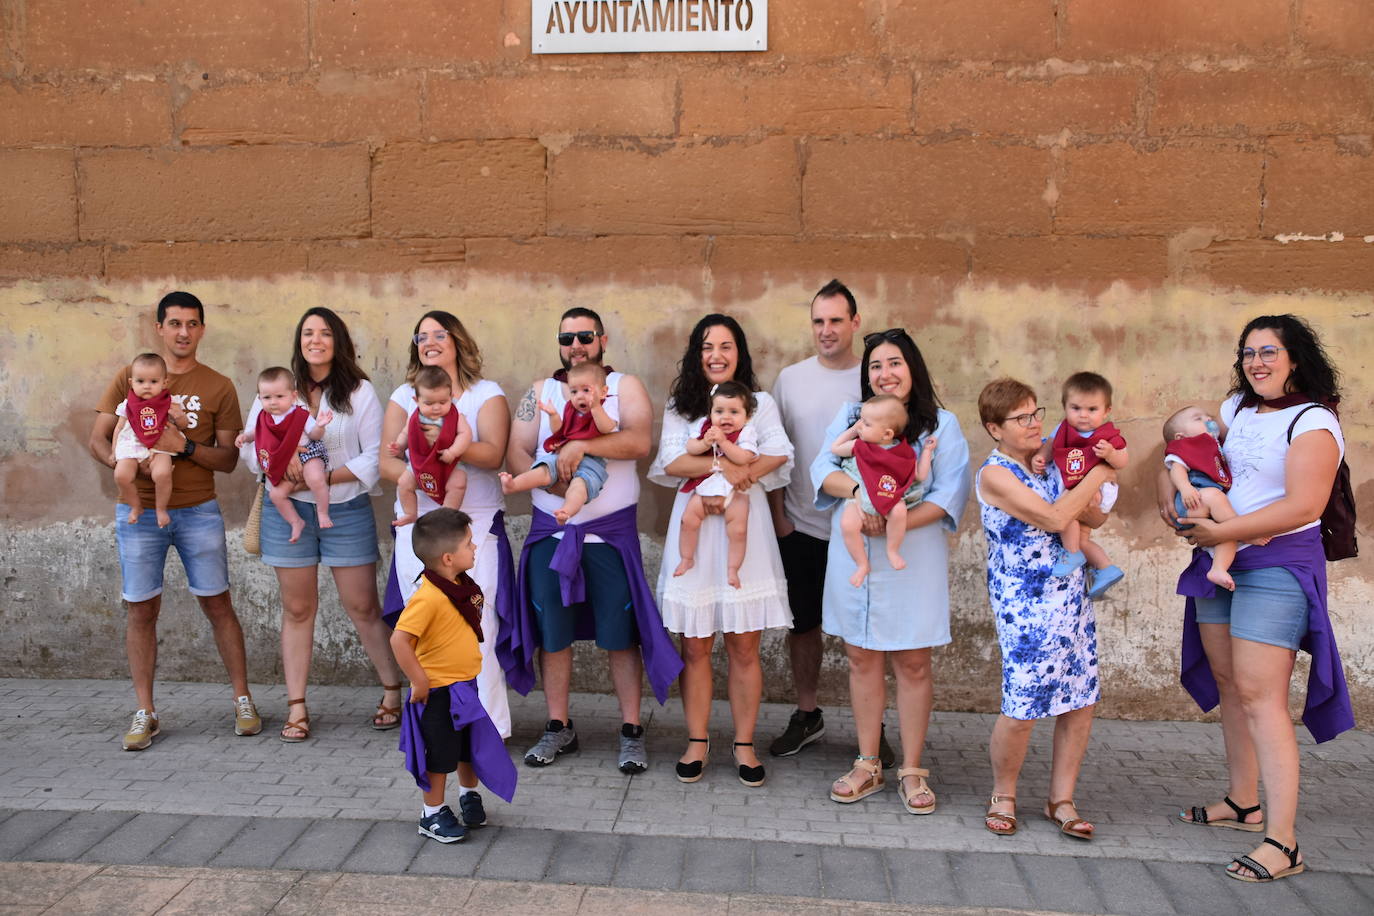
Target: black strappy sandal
column 750, row 776
column 1199, row 816
column 1261, row 874
column 691, row 772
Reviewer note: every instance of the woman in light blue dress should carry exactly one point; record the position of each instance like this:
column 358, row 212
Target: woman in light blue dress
column 1045, row 624
column 895, row 614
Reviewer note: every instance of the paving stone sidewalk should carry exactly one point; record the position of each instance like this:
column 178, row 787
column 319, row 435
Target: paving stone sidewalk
column 341, row 803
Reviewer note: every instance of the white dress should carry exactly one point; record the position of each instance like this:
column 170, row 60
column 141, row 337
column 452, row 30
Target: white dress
column 718, row 484
column 701, row 602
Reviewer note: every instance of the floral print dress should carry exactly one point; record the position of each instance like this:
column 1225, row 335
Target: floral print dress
column 1045, row 623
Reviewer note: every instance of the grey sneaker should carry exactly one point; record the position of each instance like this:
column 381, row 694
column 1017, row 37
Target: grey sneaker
column 142, row 731
column 802, row 729
column 633, row 759
column 558, row 739
column 885, row 752
column 246, row 718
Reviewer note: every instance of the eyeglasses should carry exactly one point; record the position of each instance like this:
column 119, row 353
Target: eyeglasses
column 425, row 337
column 1028, row 419
column 877, row 337
column 565, row 338
column 1266, row 354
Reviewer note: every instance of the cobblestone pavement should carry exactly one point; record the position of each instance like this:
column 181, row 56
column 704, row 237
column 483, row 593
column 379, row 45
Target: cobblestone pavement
column 342, row 803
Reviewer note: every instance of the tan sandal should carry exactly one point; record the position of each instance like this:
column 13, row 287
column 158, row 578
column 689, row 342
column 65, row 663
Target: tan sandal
column 998, row 815
column 1076, row 827
column 921, row 789
column 872, row 782
column 384, row 711
column 301, row 725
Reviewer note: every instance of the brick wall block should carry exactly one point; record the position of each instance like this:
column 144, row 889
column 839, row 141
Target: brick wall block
column 881, row 186
column 549, row 102
column 459, row 189
column 27, row 262
column 994, row 104
column 735, row 188
column 1317, row 187
column 1337, row 27
column 203, row 260
column 378, row 34
column 126, row 113
column 1118, row 190
column 125, row 35
column 629, row 258
column 385, row 256
column 1264, row 101
column 37, row 196
column 850, row 99
column 338, row 107
column 1265, row 265
column 822, row 29
column 252, row 193
column 1106, row 28
column 970, row 29
column 1070, row 260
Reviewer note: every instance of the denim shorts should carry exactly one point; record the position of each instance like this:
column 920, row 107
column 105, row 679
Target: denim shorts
column 1200, row 481
column 1268, row 606
column 591, row 469
column 351, row 542
column 608, row 593
column 197, row 533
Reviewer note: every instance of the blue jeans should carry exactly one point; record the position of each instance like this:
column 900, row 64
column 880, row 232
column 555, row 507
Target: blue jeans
column 351, row 542
column 197, row 533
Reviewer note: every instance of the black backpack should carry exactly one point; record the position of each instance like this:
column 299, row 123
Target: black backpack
column 1338, row 519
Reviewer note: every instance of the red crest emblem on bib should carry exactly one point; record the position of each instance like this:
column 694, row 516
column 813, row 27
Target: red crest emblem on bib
column 429, row 484
column 263, row 455
column 1074, row 462
column 887, row 483
column 147, row 418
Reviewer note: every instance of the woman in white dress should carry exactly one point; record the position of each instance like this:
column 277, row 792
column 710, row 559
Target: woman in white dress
column 441, row 340
column 701, row 603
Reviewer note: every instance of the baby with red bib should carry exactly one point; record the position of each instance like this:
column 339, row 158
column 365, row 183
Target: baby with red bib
column 1084, row 438
column 1192, row 454
column 142, row 418
column 286, row 430
column 435, row 438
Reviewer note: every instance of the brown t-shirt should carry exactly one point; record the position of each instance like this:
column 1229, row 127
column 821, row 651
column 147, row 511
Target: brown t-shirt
column 211, row 403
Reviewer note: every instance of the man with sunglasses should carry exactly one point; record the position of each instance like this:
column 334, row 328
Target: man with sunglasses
column 602, row 582
column 808, row 394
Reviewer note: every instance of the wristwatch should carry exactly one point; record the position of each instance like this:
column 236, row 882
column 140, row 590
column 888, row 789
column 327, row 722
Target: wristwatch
column 188, row 451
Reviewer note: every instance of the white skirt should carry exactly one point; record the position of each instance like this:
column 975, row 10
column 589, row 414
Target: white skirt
column 701, row 602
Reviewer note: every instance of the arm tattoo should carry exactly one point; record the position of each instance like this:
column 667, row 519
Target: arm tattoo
column 526, row 408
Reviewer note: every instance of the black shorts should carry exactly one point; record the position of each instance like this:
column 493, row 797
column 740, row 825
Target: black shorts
column 803, row 562
column 444, row 747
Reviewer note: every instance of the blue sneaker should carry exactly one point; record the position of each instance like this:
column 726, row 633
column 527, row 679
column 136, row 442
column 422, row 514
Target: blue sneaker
column 470, row 806
column 1068, row 562
column 1104, row 579
column 443, row 826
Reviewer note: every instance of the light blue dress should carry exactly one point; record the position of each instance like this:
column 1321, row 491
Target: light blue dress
column 1045, row 623
column 895, row 609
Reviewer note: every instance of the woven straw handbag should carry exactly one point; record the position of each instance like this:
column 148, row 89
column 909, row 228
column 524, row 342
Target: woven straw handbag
column 252, row 530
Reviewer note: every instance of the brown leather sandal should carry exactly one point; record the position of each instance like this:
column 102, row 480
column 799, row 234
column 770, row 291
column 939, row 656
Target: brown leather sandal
column 301, row 725
column 384, row 711
column 1000, row 816
column 1076, row 827
column 921, row 789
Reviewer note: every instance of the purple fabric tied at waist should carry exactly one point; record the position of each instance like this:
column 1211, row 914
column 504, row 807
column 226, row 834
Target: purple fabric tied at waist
column 489, row 757
column 1327, row 712
column 519, row 635
column 393, row 603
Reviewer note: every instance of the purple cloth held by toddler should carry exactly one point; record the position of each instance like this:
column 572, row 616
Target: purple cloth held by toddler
column 1327, row 712
column 489, row 757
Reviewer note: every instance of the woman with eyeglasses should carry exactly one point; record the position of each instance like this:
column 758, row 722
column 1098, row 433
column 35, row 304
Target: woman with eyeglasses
column 700, row 603
column 441, row 340
column 896, row 614
column 1283, row 442
column 328, row 377
column 1045, row 625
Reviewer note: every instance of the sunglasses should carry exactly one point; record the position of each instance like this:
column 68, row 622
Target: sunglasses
column 565, row 338
column 877, row 337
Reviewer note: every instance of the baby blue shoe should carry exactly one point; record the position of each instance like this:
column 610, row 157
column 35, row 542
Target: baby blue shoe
column 1104, row 579
column 1068, row 562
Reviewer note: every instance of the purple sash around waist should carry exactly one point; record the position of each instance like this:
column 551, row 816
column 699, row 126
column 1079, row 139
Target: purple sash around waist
column 489, row 757
column 1327, row 712
column 519, row 636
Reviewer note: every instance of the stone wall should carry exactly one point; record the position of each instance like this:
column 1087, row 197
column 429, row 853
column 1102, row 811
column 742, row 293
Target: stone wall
column 1032, row 186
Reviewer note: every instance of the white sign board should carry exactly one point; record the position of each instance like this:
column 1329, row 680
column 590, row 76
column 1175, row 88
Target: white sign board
column 612, row 26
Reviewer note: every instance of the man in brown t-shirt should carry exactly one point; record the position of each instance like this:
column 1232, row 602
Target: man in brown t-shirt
column 204, row 420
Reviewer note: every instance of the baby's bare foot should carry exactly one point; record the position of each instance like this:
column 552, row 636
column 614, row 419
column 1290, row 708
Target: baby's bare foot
column 324, row 520
column 1222, row 578
column 163, row 518
column 562, row 516
column 402, row 521
column 860, row 574
column 896, row 561
column 507, row 483
column 732, row 576
column 686, row 564
column 296, row 528
column 134, row 513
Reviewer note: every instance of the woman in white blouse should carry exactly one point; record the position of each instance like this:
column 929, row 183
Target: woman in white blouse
column 328, row 377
